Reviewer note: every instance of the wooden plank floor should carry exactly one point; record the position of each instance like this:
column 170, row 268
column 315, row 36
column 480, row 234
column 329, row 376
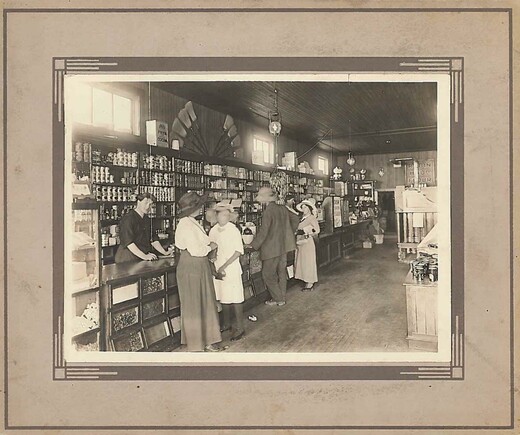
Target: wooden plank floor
column 358, row 305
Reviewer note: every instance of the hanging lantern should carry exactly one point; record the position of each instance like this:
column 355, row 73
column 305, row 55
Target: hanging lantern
column 275, row 119
column 351, row 161
column 275, row 126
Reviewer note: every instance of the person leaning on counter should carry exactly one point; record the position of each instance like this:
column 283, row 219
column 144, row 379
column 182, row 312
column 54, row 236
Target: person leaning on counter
column 136, row 240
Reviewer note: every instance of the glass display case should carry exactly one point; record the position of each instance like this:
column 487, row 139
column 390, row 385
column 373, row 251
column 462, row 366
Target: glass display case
column 82, row 298
column 84, row 246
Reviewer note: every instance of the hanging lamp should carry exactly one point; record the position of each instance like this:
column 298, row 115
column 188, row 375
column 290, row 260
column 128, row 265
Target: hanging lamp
column 278, row 179
column 351, row 161
column 337, row 171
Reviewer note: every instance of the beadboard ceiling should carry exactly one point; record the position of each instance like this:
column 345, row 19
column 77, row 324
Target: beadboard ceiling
column 365, row 118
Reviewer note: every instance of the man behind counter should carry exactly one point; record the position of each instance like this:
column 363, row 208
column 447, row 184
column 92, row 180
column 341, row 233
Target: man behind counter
column 136, row 240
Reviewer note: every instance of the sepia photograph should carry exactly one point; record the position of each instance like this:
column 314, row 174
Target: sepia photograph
column 252, row 217
column 257, row 217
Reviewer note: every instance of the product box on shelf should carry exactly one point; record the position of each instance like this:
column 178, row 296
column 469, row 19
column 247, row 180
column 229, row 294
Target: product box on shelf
column 157, row 133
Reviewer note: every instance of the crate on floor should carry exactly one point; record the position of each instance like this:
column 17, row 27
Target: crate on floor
column 367, row 244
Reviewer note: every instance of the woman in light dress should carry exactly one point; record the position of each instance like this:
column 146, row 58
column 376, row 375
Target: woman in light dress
column 305, row 266
column 228, row 278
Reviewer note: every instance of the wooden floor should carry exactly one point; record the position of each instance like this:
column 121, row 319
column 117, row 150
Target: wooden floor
column 358, row 305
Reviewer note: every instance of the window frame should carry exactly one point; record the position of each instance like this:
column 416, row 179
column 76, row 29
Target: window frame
column 115, row 91
column 325, row 166
column 270, row 145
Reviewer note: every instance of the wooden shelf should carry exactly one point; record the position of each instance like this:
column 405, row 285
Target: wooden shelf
column 87, row 332
column 112, row 166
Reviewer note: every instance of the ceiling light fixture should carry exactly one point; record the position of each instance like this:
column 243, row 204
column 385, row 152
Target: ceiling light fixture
column 337, row 171
column 275, row 119
column 351, row 161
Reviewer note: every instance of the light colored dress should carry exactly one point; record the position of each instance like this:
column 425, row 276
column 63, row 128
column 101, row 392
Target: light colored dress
column 200, row 325
column 230, row 289
column 305, row 267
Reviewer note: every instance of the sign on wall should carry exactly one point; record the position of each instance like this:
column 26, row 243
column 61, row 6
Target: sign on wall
column 426, row 173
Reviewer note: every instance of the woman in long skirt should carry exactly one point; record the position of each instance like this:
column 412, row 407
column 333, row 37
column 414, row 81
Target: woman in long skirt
column 200, row 329
column 305, row 267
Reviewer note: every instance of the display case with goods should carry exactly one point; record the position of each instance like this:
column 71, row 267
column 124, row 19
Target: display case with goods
column 82, row 300
column 139, row 312
column 362, row 190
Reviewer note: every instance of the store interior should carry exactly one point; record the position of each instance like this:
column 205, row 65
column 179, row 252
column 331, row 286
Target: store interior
column 366, row 152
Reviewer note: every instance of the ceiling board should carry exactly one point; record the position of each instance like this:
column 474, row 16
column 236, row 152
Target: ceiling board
column 363, row 117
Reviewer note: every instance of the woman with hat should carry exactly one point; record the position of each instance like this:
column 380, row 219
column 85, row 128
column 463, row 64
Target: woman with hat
column 228, row 281
column 200, row 328
column 306, row 268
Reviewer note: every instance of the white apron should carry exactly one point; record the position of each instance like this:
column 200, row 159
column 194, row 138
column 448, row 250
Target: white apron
column 230, row 290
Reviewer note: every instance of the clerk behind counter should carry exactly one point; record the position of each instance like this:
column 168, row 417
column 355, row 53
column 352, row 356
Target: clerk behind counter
column 136, row 240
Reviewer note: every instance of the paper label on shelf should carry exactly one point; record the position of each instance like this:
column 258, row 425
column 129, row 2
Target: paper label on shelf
column 418, row 220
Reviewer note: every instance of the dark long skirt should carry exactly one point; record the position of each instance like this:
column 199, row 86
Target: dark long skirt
column 199, row 315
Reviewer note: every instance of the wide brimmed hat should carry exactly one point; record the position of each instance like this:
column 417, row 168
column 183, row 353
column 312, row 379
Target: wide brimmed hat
column 266, row 194
column 211, row 213
column 311, row 202
column 189, row 202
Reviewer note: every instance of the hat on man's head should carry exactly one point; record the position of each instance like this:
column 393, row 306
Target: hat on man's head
column 189, row 202
column 266, row 194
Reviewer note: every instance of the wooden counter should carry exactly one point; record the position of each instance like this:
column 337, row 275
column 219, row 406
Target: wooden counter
column 332, row 246
column 140, row 306
column 421, row 309
column 124, row 271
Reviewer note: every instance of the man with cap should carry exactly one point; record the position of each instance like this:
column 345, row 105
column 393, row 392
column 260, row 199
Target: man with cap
column 274, row 239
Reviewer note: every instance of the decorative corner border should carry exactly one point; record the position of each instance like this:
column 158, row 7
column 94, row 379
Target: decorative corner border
column 66, row 371
column 453, row 66
column 455, row 369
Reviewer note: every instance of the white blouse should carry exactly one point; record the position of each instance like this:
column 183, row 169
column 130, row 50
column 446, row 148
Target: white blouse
column 190, row 235
column 228, row 240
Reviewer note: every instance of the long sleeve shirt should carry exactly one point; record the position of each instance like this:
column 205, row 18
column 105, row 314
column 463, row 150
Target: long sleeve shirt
column 191, row 236
column 275, row 236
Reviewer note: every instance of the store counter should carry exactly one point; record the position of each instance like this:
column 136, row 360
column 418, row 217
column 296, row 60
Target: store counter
column 332, row 246
column 132, row 269
column 140, row 306
column 421, row 308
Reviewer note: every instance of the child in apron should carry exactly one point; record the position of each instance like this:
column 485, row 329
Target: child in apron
column 228, row 287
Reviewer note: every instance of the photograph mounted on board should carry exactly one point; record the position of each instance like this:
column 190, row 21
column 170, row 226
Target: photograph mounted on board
column 255, row 217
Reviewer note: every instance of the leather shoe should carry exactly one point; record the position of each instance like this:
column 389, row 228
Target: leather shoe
column 213, row 348
column 272, row 303
column 238, row 336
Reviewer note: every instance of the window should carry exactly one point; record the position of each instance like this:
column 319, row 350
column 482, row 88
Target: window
column 266, row 147
column 101, row 107
column 323, row 165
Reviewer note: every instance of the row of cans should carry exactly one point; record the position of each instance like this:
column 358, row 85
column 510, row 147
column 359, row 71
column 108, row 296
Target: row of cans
column 162, row 163
column 81, row 152
column 115, row 193
column 160, row 193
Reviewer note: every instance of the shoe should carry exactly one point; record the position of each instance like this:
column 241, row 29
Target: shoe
column 308, row 289
column 225, row 328
column 272, row 303
column 252, row 318
column 213, row 348
column 238, row 336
